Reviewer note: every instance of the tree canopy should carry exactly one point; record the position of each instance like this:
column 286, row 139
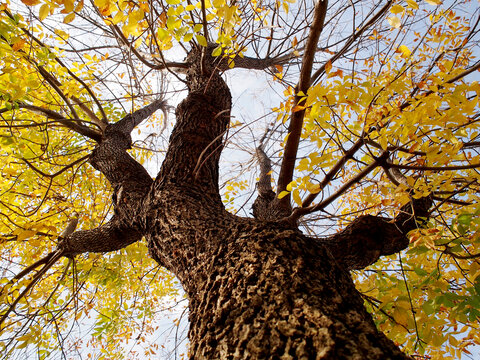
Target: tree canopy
column 378, row 107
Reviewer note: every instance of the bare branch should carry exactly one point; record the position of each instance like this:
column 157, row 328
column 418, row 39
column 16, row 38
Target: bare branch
column 435, row 168
column 204, row 20
column 51, row 176
column 265, row 205
column 449, row 251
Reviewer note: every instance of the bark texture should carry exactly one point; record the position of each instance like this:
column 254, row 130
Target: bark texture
column 258, row 289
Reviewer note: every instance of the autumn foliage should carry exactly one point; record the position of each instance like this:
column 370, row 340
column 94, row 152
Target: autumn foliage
column 387, row 112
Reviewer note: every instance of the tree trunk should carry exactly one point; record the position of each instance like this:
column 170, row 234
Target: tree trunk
column 260, row 291
column 257, row 289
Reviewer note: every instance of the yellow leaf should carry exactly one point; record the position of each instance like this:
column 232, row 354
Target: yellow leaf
column 24, row 234
column 394, row 22
column 405, row 51
column 44, row 11
column 31, row 2
column 291, row 185
column 338, row 72
column 283, row 194
column 412, row 4
column 69, row 18
column 62, row 34
column 162, row 34
column 328, row 66
column 201, row 40
column 18, row 45
column 434, row 2
column 130, row 29
column 217, row 51
column 313, row 188
column 69, row 5
column 400, row 316
column 397, row 9
column 119, row 16
column 296, row 197
column 79, row 6
column 294, row 42
column 298, row 108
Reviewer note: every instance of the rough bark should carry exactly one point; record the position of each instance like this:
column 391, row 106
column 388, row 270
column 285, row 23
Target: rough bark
column 265, row 206
column 257, row 289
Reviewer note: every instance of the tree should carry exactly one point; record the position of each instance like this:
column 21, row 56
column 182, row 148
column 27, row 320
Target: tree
column 376, row 138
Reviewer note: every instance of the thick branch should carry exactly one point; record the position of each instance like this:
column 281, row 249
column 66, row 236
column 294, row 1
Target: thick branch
column 202, row 120
column 110, row 156
column 129, row 122
column 368, row 237
column 129, row 179
column 435, row 168
column 253, row 63
column 264, row 203
column 351, row 40
column 74, row 125
column 112, row 236
column 296, row 121
column 264, row 185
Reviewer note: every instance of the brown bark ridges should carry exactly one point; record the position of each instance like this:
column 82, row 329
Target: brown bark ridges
column 257, row 289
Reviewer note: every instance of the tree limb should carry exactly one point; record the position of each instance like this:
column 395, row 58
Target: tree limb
column 351, row 40
column 265, row 205
column 112, row 236
column 129, row 122
column 368, row 237
column 296, row 120
column 74, row 124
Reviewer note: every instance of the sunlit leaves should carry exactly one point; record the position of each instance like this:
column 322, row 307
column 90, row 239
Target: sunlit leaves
column 394, row 22
column 392, row 92
column 433, row 2
column 44, row 170
column 413, row 100
column 412, row 4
